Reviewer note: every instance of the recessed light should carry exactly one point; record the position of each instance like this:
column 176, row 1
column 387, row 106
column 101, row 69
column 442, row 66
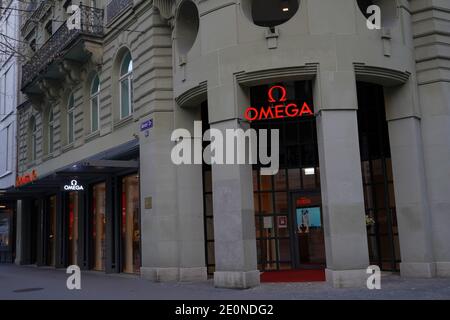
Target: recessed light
column 309, row 171
column 285, row 9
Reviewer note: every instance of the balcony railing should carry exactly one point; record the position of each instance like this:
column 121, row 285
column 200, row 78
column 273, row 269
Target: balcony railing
column 115, row 7
column 91, row 25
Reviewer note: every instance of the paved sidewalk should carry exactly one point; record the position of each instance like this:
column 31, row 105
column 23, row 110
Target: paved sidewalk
column 28, row 282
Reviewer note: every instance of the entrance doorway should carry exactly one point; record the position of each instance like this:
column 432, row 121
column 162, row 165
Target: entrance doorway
column 309, row 244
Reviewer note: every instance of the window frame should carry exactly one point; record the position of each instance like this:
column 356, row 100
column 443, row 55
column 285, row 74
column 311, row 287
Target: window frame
column 128, row 76
column 70, row 112
column 96, row 96
column 51, row 130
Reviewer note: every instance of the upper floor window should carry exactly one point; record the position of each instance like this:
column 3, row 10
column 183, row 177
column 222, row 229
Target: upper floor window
column 272, row 13
column 126, row 86
column 33, row 138
column 95, row 103
column 70, row 119
column 51, row 129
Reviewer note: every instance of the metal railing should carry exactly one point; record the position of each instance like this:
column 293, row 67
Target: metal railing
column 91, row 25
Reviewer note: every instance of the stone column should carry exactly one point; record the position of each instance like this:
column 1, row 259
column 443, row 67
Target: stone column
column 411, row 199
column 159, row 211
column 341, row 180
column 234, row 219
column 434, row 86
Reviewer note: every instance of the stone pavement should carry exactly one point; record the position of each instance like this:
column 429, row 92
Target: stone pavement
column 29, row 282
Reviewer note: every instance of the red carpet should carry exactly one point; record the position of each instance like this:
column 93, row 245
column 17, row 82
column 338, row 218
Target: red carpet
column 293, row 276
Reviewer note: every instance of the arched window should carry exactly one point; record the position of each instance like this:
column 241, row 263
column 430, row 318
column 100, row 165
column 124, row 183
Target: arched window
column 126, row 86
column 33, row 138
column 70, row 119
column 95, row 103
column 51, row 129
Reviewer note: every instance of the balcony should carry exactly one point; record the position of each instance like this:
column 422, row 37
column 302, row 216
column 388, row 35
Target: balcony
column 74, row 46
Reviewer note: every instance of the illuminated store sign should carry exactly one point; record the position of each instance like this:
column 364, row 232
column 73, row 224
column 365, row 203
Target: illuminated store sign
column 26, row 178
column 278, row 109
column 74, row 186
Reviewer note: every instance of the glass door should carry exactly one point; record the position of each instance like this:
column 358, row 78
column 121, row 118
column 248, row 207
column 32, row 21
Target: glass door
column 308, row 230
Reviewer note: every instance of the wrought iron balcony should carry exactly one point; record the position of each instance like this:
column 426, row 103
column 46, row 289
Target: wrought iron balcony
column 115, row 7
column 60, row 43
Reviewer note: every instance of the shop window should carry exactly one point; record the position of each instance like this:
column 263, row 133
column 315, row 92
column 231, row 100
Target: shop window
column 99, row 226
column 272, row 13
column 70, row 119
column 376, row 169
column 73, row 228
column 95, row 103
column 131, row 224
column 126, row 86
column 187, row 25
column 51, row 233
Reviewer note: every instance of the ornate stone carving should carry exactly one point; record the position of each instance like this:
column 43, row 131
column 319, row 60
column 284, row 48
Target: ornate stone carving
column 165, row 7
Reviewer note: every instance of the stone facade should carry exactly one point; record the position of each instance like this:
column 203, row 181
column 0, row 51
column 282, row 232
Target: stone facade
column 188, row 52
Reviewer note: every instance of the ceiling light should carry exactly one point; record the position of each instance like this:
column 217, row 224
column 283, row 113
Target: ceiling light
column 309, row 171
column 285, row 9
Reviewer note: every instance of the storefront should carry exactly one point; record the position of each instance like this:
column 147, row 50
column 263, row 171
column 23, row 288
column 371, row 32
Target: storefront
column 289, row 223
column 7, row 232
column 88, row 215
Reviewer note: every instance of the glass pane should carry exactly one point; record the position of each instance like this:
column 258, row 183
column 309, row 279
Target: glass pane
column 209, row 228
column 73, row 228
column 99, row 226
column 51, row 236
column 284, row 249
column 282, row 226
column 266, row 182
column 125, row 98
column 70, row 127
column 280, row 180
column 266, row 203
column 294, row 179
column 309, row 178
column 281, row 203
column 94, row 114
column 95, row 85
column 50, row 139
column 127, row 64
column 208, row 205
column 130, row 224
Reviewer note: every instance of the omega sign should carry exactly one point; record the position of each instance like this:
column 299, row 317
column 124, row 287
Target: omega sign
column 74, row 186
column 278, row 108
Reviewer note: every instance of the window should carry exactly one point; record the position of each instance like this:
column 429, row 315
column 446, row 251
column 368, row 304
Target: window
column 33, row 138
column 95, row 103
column 126, row 86
column 272, row 13
column 70, row 119
column 51, row 130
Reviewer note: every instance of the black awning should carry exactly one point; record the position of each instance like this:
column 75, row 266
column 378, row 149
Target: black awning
column 116, row 161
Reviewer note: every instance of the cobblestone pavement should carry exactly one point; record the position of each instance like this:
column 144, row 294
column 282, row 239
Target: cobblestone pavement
column 28, row 282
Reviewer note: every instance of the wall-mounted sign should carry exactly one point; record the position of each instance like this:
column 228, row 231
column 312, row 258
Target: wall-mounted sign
column 282, row 222
column 278, row 108
column 74, row 186
column 146, row 125
column 26, row 178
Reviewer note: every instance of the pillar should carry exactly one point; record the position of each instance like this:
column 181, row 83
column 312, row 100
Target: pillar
column 341, row 181
column 234, row 220
column 413, row 215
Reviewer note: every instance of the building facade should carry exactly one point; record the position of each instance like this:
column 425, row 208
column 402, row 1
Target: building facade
column 9, row 55
column 363, row 176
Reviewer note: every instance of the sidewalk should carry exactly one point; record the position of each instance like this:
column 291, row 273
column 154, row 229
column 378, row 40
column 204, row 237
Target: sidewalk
column 28, row 282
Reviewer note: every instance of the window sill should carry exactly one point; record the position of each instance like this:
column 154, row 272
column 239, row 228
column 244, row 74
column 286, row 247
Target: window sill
column 67, row 147
column 123, row 122
column 93, row 135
